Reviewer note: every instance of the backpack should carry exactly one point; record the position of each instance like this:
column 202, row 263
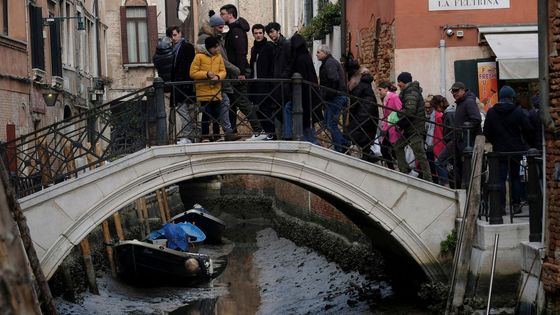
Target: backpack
column 163, row 58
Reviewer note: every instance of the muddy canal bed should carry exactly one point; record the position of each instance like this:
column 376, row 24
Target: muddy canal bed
column 265, row 274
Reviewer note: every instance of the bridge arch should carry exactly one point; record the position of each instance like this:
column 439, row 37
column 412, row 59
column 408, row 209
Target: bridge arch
column 59, row 217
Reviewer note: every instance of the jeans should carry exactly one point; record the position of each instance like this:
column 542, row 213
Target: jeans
column 441, row 163
column 224, row 113
column 333, row 108
column 308, row 132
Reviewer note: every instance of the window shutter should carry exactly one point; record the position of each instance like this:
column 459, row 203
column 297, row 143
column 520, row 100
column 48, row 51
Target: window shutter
column 37, row 43
column 152, row 28
column 56, row 55
column 124, row 37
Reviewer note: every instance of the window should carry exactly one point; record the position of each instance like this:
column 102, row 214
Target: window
column 37, row 43
column 138, row 33
column 4, row 17
column 56, row 55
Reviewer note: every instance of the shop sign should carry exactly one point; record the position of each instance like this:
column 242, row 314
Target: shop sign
column 487, row 84
column 439, row 5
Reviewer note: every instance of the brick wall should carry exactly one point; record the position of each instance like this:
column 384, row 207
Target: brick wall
column 381, row 66
column 289, row 194
column 551, row 265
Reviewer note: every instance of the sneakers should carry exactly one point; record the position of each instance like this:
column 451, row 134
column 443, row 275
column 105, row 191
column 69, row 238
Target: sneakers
column 259, row 136
column 413, row 173
column 184, row 141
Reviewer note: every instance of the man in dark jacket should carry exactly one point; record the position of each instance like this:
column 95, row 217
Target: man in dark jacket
column 182, row 96
column 331, row 75
column 466, row 111
column 411, row 123
column 236, row 46
column 507, row 128
column 261, row 68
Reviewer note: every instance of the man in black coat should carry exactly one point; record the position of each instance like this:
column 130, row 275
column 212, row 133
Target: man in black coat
column 332, row 76
column 182, row 96
column 508, row 129
column 261, row 68
column 236, row 45
column 466, row 111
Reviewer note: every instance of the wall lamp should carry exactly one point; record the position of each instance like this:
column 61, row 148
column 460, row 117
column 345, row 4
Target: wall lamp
column 81, row 24
column 50, row 96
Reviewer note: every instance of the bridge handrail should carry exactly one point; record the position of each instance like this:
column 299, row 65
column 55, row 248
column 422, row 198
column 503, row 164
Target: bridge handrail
column 139, row 119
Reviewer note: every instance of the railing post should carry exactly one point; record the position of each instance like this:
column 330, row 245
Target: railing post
column 297, row 108
column 495, row 212
column 160, row 111
column 467, row 155
column 150, row 117
column 534, row 196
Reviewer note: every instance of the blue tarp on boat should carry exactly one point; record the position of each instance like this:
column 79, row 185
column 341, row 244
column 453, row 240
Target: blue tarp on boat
column 177, row 233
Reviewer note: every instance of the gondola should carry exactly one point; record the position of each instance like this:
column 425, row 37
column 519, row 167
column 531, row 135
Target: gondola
column 147, row 264
column 209, row 224
column 163, row 258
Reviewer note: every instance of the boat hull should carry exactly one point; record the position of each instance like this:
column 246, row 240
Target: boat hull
column 148, row 264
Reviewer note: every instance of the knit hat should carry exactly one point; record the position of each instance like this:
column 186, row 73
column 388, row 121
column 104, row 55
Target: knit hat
column 210, row 42
column 216, row 20
column 506, row 92
column 405, row 77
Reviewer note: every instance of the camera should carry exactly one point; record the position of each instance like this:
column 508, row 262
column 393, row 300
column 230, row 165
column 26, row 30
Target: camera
column 449, row 32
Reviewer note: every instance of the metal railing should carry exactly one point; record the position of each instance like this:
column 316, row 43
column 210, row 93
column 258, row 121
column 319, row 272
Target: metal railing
column 286, row 108
column 513, row 185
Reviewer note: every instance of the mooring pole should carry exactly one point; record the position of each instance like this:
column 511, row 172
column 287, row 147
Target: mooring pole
column 108, row 245
column 118, row 226
column 90, row 270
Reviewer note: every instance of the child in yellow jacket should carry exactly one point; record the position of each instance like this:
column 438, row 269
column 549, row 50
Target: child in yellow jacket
column 208, row 64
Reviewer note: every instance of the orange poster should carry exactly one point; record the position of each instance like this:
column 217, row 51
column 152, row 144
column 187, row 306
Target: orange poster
column 487, row 84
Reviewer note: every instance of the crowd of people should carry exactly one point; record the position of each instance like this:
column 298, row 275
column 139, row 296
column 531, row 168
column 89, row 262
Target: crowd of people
column 423, row 135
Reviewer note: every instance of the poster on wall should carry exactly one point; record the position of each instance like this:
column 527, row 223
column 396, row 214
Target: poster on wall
column 440, row 5
column 487, row 84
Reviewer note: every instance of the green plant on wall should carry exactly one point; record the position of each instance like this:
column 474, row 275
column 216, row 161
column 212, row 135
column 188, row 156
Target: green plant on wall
column 449, row 244
column 322, row 24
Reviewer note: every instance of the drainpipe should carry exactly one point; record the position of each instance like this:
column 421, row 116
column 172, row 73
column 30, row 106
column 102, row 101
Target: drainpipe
column 345, row 50
column 442, row 61
column 544, row 87
column 274, row 10
column 97, row 42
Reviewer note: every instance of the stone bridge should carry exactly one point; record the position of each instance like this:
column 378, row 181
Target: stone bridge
column 414, row 213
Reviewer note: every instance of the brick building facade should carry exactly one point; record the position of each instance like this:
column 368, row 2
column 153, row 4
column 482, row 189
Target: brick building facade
column 551, row 264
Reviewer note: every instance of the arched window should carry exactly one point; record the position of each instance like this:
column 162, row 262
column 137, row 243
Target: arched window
column 138, row 31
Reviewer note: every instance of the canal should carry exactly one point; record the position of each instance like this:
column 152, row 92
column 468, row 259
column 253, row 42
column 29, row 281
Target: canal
column 262, row 273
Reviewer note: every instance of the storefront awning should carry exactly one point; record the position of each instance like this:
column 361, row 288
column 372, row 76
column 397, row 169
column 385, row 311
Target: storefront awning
column 517, row 54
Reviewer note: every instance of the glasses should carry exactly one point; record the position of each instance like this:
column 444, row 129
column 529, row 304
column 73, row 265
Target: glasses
column 427, row 107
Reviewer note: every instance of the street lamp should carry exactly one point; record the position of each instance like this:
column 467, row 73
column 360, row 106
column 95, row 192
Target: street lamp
column 50, row 97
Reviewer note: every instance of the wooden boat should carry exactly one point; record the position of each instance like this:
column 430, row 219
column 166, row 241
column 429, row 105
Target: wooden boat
column 145, row 264
column 209, row 224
